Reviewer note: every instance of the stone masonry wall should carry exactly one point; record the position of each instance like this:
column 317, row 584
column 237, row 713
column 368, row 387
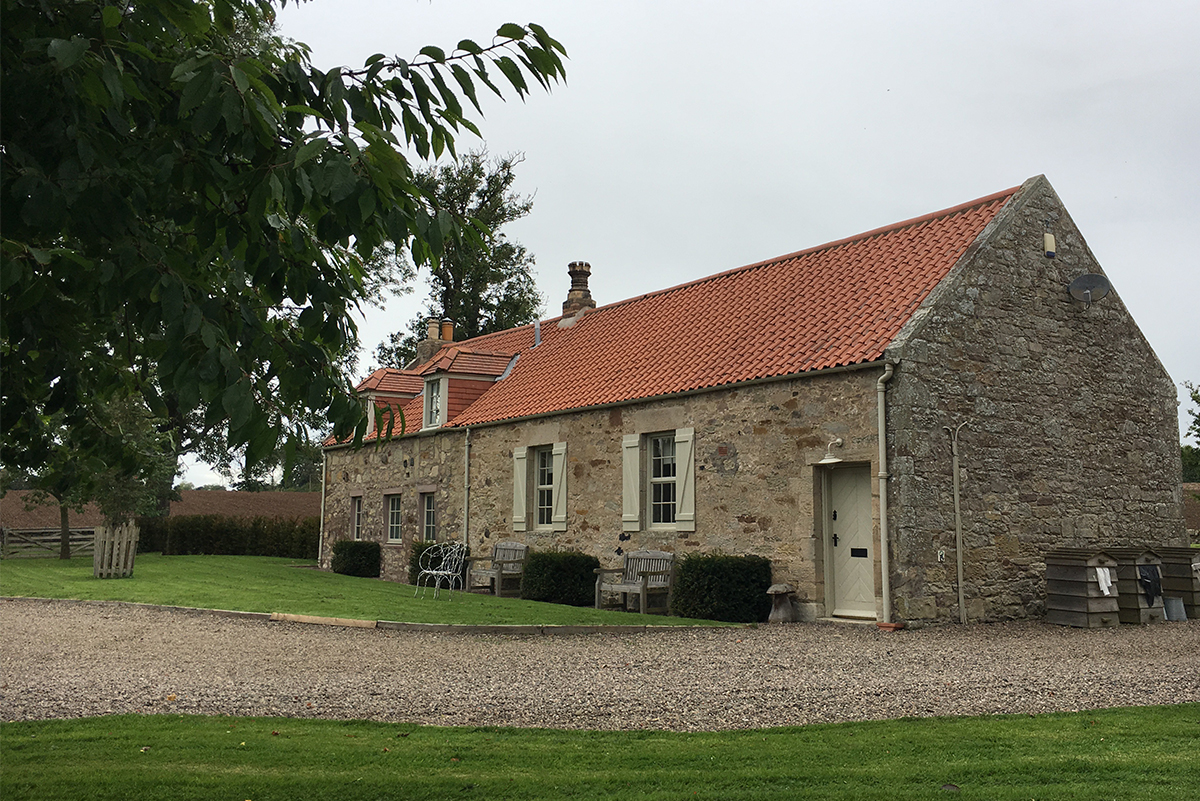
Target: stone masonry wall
column 1070, row 435
column 755, row 450
column 431, row 462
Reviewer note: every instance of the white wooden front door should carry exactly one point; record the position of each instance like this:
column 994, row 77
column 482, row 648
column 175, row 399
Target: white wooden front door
column 850, row 544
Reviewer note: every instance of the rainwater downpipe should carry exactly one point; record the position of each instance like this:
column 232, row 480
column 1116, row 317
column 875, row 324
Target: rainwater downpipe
column 958, row 537
column 881, row 395
column 321, row 531
column 467, row 489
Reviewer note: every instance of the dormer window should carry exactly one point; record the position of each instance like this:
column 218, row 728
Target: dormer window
column 435, row 404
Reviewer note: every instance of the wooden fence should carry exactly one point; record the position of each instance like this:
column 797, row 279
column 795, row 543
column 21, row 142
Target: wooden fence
column 44, row 543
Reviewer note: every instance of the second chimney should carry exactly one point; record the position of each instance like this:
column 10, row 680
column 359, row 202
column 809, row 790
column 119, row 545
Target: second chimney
column 579, row 297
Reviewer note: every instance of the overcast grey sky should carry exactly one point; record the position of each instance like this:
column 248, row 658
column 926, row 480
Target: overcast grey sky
column 694, row 137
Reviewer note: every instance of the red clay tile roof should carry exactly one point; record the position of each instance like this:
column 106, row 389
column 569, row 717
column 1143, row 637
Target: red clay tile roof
column 388, row 381
column 1191, row 506
column 15, row 517
column 247, row 504
column 469, row 361
column 838, row 304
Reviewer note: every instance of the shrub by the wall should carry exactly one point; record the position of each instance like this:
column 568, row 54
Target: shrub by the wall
column 414, row 561
column 564, row 577
column 721, row 587
column 356, row 558
column 258, row 536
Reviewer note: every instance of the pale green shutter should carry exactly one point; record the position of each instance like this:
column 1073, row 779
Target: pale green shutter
column 631, row 482
column 558, row 512
column 685, row 479
column 520, row 475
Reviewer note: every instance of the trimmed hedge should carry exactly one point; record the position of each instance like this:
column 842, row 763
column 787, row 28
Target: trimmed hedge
column 152, row 534
column 357, row 558
column 234, row 536
column 719, row 587
column 414, row 561
column 563, row 577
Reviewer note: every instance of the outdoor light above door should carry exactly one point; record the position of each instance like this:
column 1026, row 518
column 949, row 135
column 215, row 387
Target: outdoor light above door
column 829, row 458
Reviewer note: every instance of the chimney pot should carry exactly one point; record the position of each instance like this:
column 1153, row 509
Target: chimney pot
column 579, row 297
column 431, row 328
column 447, row 329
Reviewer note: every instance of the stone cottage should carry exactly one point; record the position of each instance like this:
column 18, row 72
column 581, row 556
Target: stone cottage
column 804, row 409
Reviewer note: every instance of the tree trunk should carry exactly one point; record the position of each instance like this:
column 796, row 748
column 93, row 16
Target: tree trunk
column 64, row 542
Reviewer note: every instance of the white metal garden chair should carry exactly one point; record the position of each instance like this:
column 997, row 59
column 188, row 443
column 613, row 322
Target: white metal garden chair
column 440, row 563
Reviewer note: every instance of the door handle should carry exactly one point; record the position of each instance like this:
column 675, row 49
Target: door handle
column 835, row 539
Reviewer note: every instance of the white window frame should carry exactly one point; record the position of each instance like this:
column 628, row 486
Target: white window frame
column 543, row 487
column 526, row 488
column 435, row 403
column 661, row 480
column 356, row 517
column 395, row 518
column 637, row 481
column 428, row 517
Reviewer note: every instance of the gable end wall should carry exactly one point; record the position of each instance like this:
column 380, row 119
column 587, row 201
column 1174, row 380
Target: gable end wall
column 1070, row 435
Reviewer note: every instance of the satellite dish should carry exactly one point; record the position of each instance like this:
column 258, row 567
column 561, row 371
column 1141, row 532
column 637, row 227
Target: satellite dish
column 1089, row 288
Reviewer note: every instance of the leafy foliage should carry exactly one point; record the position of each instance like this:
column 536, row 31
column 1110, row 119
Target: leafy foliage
column 1191, row 464
column 483, row 286
column 187, row 215
column 721, row 587
column 1190, row 453
column 565, row 577
column 357, row 558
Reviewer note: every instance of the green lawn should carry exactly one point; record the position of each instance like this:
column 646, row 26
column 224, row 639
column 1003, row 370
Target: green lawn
column 1117, row 754
column 267, row 584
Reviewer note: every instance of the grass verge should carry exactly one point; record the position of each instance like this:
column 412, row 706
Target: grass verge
column 269, row 584
column 1127, row 754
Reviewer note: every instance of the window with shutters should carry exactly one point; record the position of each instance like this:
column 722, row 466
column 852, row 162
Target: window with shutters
column 540, row 488
column 658, row 482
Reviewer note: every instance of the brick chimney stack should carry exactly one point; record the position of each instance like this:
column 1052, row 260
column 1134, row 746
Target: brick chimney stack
column 579, row 297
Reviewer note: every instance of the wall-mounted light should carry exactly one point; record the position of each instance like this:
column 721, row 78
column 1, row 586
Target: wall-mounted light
column 829, row 458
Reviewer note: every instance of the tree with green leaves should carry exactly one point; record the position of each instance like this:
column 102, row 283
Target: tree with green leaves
column 1191, row 453
column 70, row 480
column 187, row 216
column 483, row 286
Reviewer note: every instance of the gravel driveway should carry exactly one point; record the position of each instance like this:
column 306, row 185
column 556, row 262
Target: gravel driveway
column 65, row 660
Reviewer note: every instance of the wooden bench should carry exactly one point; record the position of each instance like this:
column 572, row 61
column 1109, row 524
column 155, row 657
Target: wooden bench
column 646, row 573
column 507, row 566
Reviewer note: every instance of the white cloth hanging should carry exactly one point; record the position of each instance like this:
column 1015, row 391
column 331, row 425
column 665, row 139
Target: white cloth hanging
column 1104, row 579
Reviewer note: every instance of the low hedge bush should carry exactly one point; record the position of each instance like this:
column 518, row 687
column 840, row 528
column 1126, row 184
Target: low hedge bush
column 152, row 534
column 720, row 587
column 357, row 558
column 562, row 577
column 234, row 536
column 414, row 561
